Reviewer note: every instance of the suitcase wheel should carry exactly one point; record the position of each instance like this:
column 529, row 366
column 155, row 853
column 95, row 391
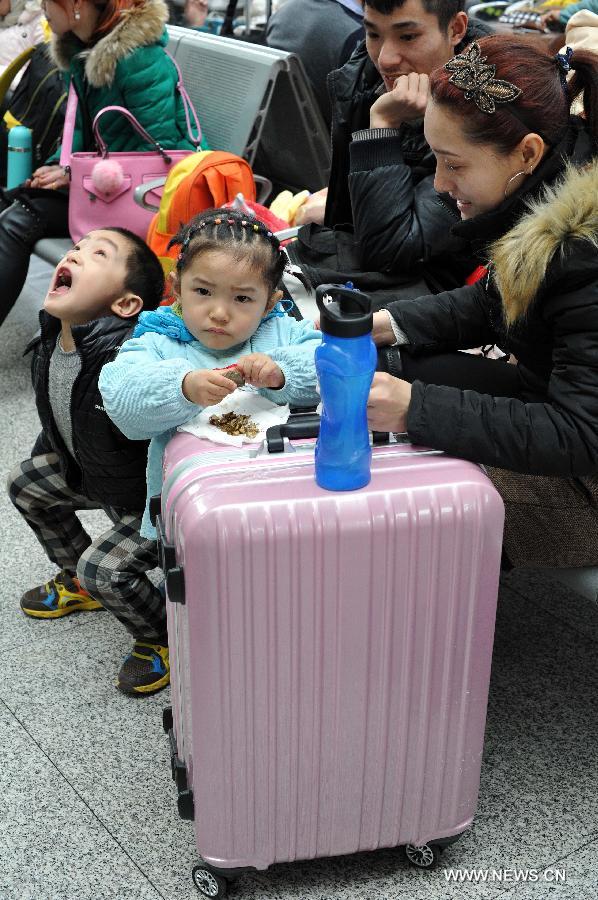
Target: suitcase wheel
column 208, row 883
column 426, row 856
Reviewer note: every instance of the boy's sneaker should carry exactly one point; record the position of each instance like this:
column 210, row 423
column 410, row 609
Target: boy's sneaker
column 58, row 597
column 145, row 670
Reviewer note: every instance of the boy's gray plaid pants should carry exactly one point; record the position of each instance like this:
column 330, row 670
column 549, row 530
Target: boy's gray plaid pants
column 113, row 567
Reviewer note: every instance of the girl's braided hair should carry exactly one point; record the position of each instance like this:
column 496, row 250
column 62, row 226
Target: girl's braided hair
column 230, row 231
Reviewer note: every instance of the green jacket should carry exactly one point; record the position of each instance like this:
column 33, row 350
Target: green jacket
column 127, row 67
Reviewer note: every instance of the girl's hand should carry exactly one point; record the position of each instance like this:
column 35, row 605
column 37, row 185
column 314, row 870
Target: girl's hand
column 388, row 403
column 206, row 387
column 49, row 177
column 261, row 371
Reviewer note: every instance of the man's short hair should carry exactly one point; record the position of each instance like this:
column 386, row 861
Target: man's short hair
column 444, row 10
column 145, row 276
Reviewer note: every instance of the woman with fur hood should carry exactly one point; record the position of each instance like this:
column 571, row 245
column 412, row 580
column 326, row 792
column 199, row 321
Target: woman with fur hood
column 499, row 124
column 113, row 53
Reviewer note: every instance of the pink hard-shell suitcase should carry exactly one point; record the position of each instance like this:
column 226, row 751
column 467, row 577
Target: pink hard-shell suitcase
column 330, row 652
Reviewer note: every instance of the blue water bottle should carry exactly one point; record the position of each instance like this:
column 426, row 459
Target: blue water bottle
column 19, row 156
column 345, row 363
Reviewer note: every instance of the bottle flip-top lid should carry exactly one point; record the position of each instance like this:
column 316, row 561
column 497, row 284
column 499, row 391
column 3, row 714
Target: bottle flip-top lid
column 20, row 137
column 344, row 311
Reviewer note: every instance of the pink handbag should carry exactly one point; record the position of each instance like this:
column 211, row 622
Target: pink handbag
column 103, row 183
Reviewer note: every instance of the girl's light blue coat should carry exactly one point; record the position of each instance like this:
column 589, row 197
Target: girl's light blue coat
column 142, row 387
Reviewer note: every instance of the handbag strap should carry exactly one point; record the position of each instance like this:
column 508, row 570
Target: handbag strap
column 71, row 114
column 187, row 105
column 69, row 127
column 101, row 144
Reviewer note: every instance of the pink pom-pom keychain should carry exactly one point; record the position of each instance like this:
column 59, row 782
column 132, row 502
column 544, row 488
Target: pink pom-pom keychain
column 107, row 176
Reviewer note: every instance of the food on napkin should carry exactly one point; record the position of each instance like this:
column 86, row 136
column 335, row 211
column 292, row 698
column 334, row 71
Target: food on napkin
column 235, row 424
column 245, row 407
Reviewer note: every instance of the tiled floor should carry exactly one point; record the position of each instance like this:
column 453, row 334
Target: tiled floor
column 87, row 804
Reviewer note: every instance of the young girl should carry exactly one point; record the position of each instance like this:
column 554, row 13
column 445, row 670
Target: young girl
column 499, row 125
column 227, row 312
column 113, row 53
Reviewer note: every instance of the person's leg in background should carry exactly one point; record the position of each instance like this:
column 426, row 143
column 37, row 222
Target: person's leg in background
column 549, row 522
column 114, row 569
column 26, row 215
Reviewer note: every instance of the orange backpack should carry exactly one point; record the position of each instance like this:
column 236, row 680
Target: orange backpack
column 200, row 181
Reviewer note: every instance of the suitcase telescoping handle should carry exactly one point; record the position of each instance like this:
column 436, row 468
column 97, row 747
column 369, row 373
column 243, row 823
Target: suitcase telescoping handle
column 302, row 425
column 305, row 425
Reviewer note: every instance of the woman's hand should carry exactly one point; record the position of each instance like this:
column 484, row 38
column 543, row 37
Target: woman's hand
column 206, row 387
column 388, row 403
column 49, row 177
column 382, row 333
column 260, row 370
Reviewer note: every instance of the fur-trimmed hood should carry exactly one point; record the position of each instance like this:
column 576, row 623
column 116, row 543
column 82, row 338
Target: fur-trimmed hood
column 565, row 212
column 138, row 27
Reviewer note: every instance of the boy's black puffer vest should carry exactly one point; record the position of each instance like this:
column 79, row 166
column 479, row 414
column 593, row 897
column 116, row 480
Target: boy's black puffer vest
column 108, row 467
column 353, row 90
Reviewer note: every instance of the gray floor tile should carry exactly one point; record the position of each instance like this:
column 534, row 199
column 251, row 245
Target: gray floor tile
column 579, row 870
column 542, row 740
column 69, row 666
column 52, row 846
column 554, row 598
column 23, row 565
column 524, row 814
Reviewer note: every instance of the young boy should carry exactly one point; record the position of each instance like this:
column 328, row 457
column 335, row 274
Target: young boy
column 82, row 461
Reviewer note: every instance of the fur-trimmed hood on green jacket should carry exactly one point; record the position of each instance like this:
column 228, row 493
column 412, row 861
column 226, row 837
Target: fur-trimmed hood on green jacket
column 127, row 67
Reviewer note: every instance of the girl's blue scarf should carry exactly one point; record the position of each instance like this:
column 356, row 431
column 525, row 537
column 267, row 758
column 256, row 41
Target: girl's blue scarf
column 164, row 321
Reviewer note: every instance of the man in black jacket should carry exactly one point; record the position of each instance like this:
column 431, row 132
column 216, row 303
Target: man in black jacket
column 323, row 34
column 379, row 150
column 82, row 461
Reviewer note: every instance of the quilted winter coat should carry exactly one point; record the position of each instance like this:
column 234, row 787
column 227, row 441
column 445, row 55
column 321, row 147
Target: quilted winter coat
column 127, row 67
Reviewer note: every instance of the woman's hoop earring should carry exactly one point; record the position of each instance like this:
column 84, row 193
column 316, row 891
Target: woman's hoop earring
column 516, row 175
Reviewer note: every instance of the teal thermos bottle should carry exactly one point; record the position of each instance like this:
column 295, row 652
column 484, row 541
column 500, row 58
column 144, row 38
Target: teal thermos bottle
column 345, row 365
column 19, row 156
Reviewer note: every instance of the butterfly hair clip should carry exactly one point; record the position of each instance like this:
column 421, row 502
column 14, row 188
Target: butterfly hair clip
column 472, row 75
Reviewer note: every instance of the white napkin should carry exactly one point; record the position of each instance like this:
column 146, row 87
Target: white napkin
column 244, row 401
